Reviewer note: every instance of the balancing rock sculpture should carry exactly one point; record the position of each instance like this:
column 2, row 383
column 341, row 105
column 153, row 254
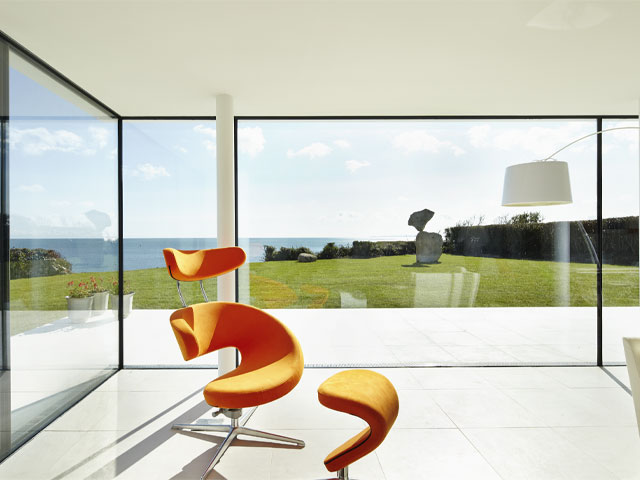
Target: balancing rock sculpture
column 428, row 244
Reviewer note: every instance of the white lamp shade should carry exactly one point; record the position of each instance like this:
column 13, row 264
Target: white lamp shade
column 536, row 183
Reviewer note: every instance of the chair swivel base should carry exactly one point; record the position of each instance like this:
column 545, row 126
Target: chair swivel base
column 233, row 430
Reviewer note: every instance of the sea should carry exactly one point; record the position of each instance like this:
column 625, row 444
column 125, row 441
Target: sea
column 98, row 255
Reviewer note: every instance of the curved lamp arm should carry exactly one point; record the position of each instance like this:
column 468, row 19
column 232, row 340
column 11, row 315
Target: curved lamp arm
column 550, row 157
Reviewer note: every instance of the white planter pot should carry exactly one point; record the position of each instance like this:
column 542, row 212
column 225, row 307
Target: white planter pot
column 127, row 304
column 79, row 309
column 100, row 302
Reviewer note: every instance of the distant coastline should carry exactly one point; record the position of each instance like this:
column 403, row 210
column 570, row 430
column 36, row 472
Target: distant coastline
column 98, row 255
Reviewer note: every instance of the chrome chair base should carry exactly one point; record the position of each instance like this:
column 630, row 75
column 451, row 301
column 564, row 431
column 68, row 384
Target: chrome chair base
column 343, row 473
column 233, row 430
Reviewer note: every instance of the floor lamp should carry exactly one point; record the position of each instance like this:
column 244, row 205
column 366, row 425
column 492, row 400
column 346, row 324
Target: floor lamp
column 546, row 182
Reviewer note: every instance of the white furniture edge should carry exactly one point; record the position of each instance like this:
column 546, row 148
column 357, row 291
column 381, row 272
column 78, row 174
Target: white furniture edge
column 632, row 354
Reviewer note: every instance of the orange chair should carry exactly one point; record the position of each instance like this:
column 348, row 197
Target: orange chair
column 198, row 265
column 367, row 395
column 272, row 361
column 271, row 366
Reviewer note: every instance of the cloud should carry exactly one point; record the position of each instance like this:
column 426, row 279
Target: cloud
column 31, row 188
column 250, row 140
column 414, row 141
column 457, row 151
column 99, row 135
column 208, row 131
column 209, row 143
column 478, row 135
column 353, row 165
column 180, row 149
column 36, row 141
column 314, row 150
column 149, row 172
column 341, row 143
column 630, row 137
column 540, row 141
column 347, row 216
column 402, row 198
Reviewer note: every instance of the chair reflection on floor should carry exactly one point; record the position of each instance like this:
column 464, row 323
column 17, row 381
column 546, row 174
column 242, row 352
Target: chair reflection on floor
column 457, row 289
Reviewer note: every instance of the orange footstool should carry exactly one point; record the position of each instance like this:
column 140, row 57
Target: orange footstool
column 367, row 395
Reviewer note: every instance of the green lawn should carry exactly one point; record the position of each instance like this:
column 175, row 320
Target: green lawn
column 385, row 282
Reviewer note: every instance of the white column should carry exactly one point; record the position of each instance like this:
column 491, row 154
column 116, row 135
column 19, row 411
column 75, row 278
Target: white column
column 226, row 210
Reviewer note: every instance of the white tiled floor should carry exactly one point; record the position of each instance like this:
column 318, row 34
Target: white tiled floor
column 454, row 423
column 419, row 336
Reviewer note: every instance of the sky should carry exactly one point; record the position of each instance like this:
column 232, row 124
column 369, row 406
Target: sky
column 304, row 178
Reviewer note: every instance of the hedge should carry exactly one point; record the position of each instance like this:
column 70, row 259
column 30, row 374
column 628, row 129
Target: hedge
column 537, row 241
column 359, row 249
column 36, row 262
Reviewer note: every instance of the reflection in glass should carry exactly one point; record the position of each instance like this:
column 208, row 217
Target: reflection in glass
column 63, row 250
column 169, row 181
column 327, row 210
column 620, row 238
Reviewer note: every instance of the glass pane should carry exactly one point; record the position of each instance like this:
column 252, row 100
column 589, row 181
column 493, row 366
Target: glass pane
column 169, row 170
column 63, row 248
column 488, row 284
column 620, row 238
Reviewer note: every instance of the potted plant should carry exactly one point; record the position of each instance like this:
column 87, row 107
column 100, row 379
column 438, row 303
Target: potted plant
column 79, row 301
column 100, row 295
column 127, row 297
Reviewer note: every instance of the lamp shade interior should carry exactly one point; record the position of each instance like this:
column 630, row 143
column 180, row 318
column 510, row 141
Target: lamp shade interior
column 537, row 183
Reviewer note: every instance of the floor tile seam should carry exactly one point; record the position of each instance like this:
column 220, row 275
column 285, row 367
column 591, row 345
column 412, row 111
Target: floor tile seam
column 384, row 474
column 565, row 383
column 525, row 408
column 576, row 393
column 455, row 425
column 501, row 349
column 473, row 445
column 593, row 458
column 561, row 388
column 121, row 390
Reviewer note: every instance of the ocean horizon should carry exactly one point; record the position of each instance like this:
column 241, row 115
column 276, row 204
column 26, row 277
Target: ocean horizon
column 99, row 255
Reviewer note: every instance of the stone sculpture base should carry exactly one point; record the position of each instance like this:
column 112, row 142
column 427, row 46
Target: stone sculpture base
column 428, row 247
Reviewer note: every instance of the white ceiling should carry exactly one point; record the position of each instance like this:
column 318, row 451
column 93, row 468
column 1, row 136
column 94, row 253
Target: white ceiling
column 349, row 57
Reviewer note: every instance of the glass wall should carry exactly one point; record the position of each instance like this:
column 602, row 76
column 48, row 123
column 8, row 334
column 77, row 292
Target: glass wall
column 620, row 237
column 478, row 284
column 169, row 180
column 62, row 204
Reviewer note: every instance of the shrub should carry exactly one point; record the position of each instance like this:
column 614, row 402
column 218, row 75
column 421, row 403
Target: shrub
column 380, row 249
column 285, row 253
column 269, row 252
column 331, row 251
column 366, row 250
column 526, row 218
column 36, row 262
